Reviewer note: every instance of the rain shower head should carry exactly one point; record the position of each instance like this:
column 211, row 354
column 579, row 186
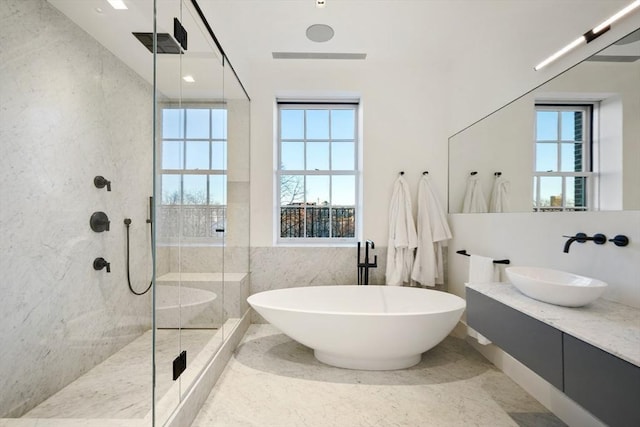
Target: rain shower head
column 166, row 43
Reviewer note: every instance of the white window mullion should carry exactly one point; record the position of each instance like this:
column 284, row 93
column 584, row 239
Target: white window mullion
column 559, row 142
column 564, row 192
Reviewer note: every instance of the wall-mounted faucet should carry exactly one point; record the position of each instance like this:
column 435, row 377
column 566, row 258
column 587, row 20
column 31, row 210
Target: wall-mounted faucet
column 598, row 239
column 101, row 182
column 363, row 267
column 100, row 263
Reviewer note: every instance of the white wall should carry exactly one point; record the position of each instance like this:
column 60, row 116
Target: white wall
column 410, row 107
column 445, row 79
column 69, row 110
column 536, row 240
column 401, row 131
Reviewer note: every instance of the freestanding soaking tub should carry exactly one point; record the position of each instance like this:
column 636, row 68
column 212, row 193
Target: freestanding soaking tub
column 362, row 327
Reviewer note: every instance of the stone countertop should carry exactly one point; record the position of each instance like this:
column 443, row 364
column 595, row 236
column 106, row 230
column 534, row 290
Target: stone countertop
column 612, row 327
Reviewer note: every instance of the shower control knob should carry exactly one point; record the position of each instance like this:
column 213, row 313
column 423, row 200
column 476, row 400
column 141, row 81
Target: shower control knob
column 100, row 263
column 99, row 222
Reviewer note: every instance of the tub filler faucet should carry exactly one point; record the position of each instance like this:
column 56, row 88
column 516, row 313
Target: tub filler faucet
column 363, row 267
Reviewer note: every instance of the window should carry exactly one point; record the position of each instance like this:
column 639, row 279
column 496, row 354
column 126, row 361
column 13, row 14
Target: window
column 193, row 162
column 563, row 169
column 317, row 176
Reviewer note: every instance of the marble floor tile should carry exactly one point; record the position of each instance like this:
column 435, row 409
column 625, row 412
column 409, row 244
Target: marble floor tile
column 273, row 381
column 120, row 387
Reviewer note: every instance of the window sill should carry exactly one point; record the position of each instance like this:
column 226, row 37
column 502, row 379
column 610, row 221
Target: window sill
column 310, row 244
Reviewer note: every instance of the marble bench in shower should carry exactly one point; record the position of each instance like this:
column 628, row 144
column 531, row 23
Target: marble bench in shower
column 206, row 299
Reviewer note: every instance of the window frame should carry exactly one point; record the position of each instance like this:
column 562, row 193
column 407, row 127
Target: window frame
column 327, row 105
column 213, row 237
column 588, row 142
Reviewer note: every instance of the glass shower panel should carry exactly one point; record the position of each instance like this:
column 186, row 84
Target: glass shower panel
column 190, row 205
column 236, row 254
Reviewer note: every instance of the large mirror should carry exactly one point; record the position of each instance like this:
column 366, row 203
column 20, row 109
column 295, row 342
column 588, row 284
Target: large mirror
column 571, row 144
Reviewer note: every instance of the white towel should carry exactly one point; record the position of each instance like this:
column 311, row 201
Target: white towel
column 433, row 233
column 482, row 270
column 402, row 235
column 474, row 201
column 499, row 196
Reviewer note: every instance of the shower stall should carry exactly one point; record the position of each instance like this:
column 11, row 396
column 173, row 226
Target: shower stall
column 124, row 209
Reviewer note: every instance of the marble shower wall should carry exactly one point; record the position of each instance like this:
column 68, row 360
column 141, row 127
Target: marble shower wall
column 69, row 110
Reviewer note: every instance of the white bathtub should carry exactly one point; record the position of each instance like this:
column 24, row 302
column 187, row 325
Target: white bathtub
column 181, row 306
column 362, row 327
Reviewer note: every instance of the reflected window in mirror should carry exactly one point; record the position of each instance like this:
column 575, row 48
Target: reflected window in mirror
column 505, row 140
column 563, row 173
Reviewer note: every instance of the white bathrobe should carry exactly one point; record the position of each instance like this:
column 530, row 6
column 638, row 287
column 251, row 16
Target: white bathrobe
column 402, row 235
column 433, row 233
column 499, row 196
column 474, row 201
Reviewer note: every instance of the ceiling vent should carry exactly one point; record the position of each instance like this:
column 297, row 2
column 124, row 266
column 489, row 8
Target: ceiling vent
column 318, row 55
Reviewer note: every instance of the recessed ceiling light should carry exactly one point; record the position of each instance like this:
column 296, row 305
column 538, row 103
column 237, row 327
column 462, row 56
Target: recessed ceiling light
column 99, row 9
column 320, row 33
column 118, row 4
column 321, row 3
column 189, row 79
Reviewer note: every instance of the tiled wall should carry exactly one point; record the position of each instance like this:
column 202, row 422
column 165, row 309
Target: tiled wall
column 69, row 110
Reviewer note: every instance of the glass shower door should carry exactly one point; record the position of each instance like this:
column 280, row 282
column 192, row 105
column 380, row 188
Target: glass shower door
column 190, row 203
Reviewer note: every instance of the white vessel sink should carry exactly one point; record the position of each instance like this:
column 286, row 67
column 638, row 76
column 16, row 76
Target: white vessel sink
column 555, row 286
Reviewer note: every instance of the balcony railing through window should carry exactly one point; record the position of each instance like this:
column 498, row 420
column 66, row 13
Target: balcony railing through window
column 311, row 221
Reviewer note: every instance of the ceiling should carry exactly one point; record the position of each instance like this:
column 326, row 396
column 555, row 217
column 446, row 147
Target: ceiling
column 458, row 33
column 426, row 33
column 202, row 59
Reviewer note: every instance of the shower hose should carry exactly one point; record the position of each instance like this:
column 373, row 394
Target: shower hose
column 127, row 222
